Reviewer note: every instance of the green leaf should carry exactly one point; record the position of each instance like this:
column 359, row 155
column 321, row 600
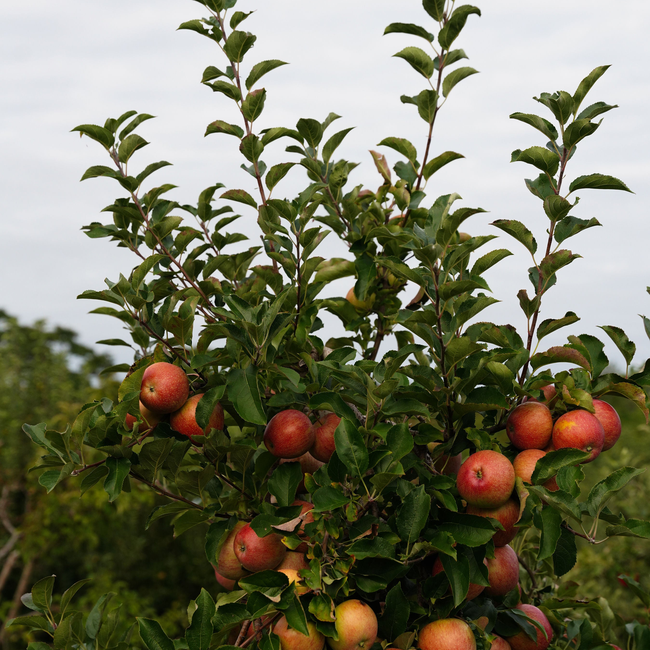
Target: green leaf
column 550, row 325
column 92, row 478
column 409, row 28
column 598, row 182
column 427, row 103
column 418, row 59
column 295, row 615
column 538, row 123
column 153, row 636
column 554, row 262
column 228, row 89
column 375, row 547
column 33, row 622
column 438, row 162
column 596, row 109
column 260, row 69
column 333, row 143
column 276, row 174
column 253, row 105
column 566, row 553
column 69, row 594
column 311, row 130
column 455, row 77
column 140, row 272
column 401, row 146
column 559, row 500
column 332, row 402
column 413, row 514
column 571, row 226
column 470, row 530
column 488, row 260
column 237, row 44
column 586, row 84
column 551, row 520
column 42, row 593
column 244, row 393
column 351, row 448
column 457, row 572
column 603, row 491
column 207, row 404
column 394, row 620
column 540, row 157
column 129, row 146
column 199, row 633
column 577, row 131
column 625, row 346
column 399, row 440
column 435, row 8
column 284, row 482
column 517, row 230
column 449, row 33
column 219, row 126
column 328, row 498
column 96, row 133
column 559, row 354
column 118, row 470
column 241, row 196
column 641, row 593
column 556, row 207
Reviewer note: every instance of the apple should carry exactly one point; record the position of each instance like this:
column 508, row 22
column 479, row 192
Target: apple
column 225, row 582
column 503, row 571
column 258, row 553
column 610, row 420
column 446, row 634
column 184, row 420
column 289, row 434
column 524, row 464
column 307, row 519
column 293, row 560
column 445, row 464
column 291, row 639
column 486, row 479
column 228, row 564
column 360, row 305
column 165, row 387
column 581, row 430
column 472, row 592
column 356, row 625
column 294, row 576
column 324, row 429
column 507, row 515
column 522, row 641
column 149, row 419
column 530, row 426
column 500, row 644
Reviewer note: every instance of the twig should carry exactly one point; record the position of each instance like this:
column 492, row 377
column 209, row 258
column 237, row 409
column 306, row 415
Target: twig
column 529, row 571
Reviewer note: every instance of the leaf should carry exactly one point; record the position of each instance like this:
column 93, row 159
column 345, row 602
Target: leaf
column 470, row 530
column 598, row 182
column 237, row 44
column 328, row 498
column 641, row 593
column 69, row 594
column 332, row 402
column 603, row 491
column 401, row 146
column 375, row 547
column 207, row 404
column 351, row 448
column 284, row 482
column 449, row 33
column 311, row 130
column 631, row 392
column 540, row 157
column 455, row 77
column 625, row 346
column 153, row 636
column 550, row 325
column 42, row 593
column 435, row 8
column 244, row 393
column 554, row 262
column 199, row 633
column 260, row 69
column 418, row 59
column 413, row 515
column 538, row 123
column 457, row 572
column 118, row 470
column 394, row 619
column 219, row 126
column 399, row 440
column 427, row 103
column 253, row 105
column 241, row 196
column 551, row 520
column 295, row 615
column 517, row 230
column 560, row 500
column 438, row 162
column 556, row 207
column 488, row 260
column 129, row 146
column 333, row 143
column 96, row 133
column 586, row 84
column 566, row 553
column 277, row 173
column 409, row 28
column 549, row 465
column 572, row 226
column 577, row 131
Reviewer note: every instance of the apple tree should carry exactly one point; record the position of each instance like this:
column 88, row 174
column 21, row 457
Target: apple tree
column 410, row 479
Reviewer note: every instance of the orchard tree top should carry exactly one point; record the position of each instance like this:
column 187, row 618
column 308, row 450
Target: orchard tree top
column 323, row 469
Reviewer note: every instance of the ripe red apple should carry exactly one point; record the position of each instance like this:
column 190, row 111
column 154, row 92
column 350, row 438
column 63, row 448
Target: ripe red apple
column 446, row 634
column 324, row 429
column 356, row 625
column 149, row 419
column 293, row 560
column 507, row 515
column 472, row 592
column 503, row 571
column 500, row 644
column 291, row 639
column 610, row 420
column 289, row 434
column 448, row 465
column 524, row 464
column 165, row 387
column 530, row 426
column 228, row 564
column 225, row 582
column 258, row 553
column 486, row 479
column 360, row 305
column 522, row 641
column 184, row 420
column 581, row 430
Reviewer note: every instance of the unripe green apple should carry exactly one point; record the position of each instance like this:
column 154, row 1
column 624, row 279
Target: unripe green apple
column 360, row 305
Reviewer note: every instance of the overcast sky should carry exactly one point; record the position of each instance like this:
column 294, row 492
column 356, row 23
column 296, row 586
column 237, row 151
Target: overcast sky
column 74, row 61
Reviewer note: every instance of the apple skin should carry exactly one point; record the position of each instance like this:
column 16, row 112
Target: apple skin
column 530, row 426
column 164, row 388
column 445, row 464
column 356, row 625
column 293, row 560
column 522, row 641
column 258, row 553
column 581, row 430
column 503, row 571
column 472, row 592
column 446, row 634
column 507, row 515
column 225, row 582
column 289, row 434
column 294, row 576
column 360, row 305
column 500, row 644
column 324, row 429
column 524, row 464
column 486, row 479
column 610, row 420
column 291, row 639
column 149, row 419
column 228, row 564
column 184, row 420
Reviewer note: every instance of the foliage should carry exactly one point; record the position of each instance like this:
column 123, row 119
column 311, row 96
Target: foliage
column 246, row 325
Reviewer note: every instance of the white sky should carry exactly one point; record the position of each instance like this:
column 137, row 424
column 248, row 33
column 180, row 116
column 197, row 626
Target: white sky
column 74, row 61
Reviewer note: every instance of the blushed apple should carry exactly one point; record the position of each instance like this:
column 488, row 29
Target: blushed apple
column 324, row 429
column 184, row 420
column 522, row 641
column 445, row 464
column 165, row 387
column 149, row 419
column 291, row 639
column 446, row 634
column 294, row 576
column 486, row 479
column 472, row 592
column 258, row 553
column 228, row 564
column 293, row 560
column 356, row 625
column 225, row 582
column 289, row 434
column 500, row 644
column 503, row 571
column 524, row 464
column 507, row 515
column 530, row 426
column 610, row 420
column 581, row 430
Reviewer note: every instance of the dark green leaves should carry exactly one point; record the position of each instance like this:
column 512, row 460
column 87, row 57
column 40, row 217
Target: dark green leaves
column 517, row 230
column 244, row 393
column 260, row 69
column 622, row 342
column 409, row 28
column 455, row 77
column 586, row 84
column 351, row 448
column 538, row 123
column 603, row 491
column 199, row 633
column 153, row 636
column 418, row 59
column 435, row 8
column 449, row 33
column 598, row 182
column 96, row 133
column 394, row 620
column 237, row 44
column 438, row 162
column 284, row 482
column 540, row 157
column 413, row 515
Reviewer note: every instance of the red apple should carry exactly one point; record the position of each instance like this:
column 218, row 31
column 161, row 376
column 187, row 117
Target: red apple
column 530, row 426
column 507, row 515
column 289, row 434
column 293, row 560
column 149, row 419
column 184, row 420
column 522, row 641
column 486, row 479
column 524, row 464
column 356, row 625
column 472, row 592
column 291, row 639
column 448, row 465
column 224, row 582
column 581, row 430
column 446, row 634
column 228, row 564
column 324, row 429
column 503, row 571
column 500, row 644
column 165, row 387
column 610, row 420
column 258, row 553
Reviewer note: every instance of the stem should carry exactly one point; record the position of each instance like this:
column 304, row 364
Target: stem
column 170, row 495
column 530, row 572
column 268, row 623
